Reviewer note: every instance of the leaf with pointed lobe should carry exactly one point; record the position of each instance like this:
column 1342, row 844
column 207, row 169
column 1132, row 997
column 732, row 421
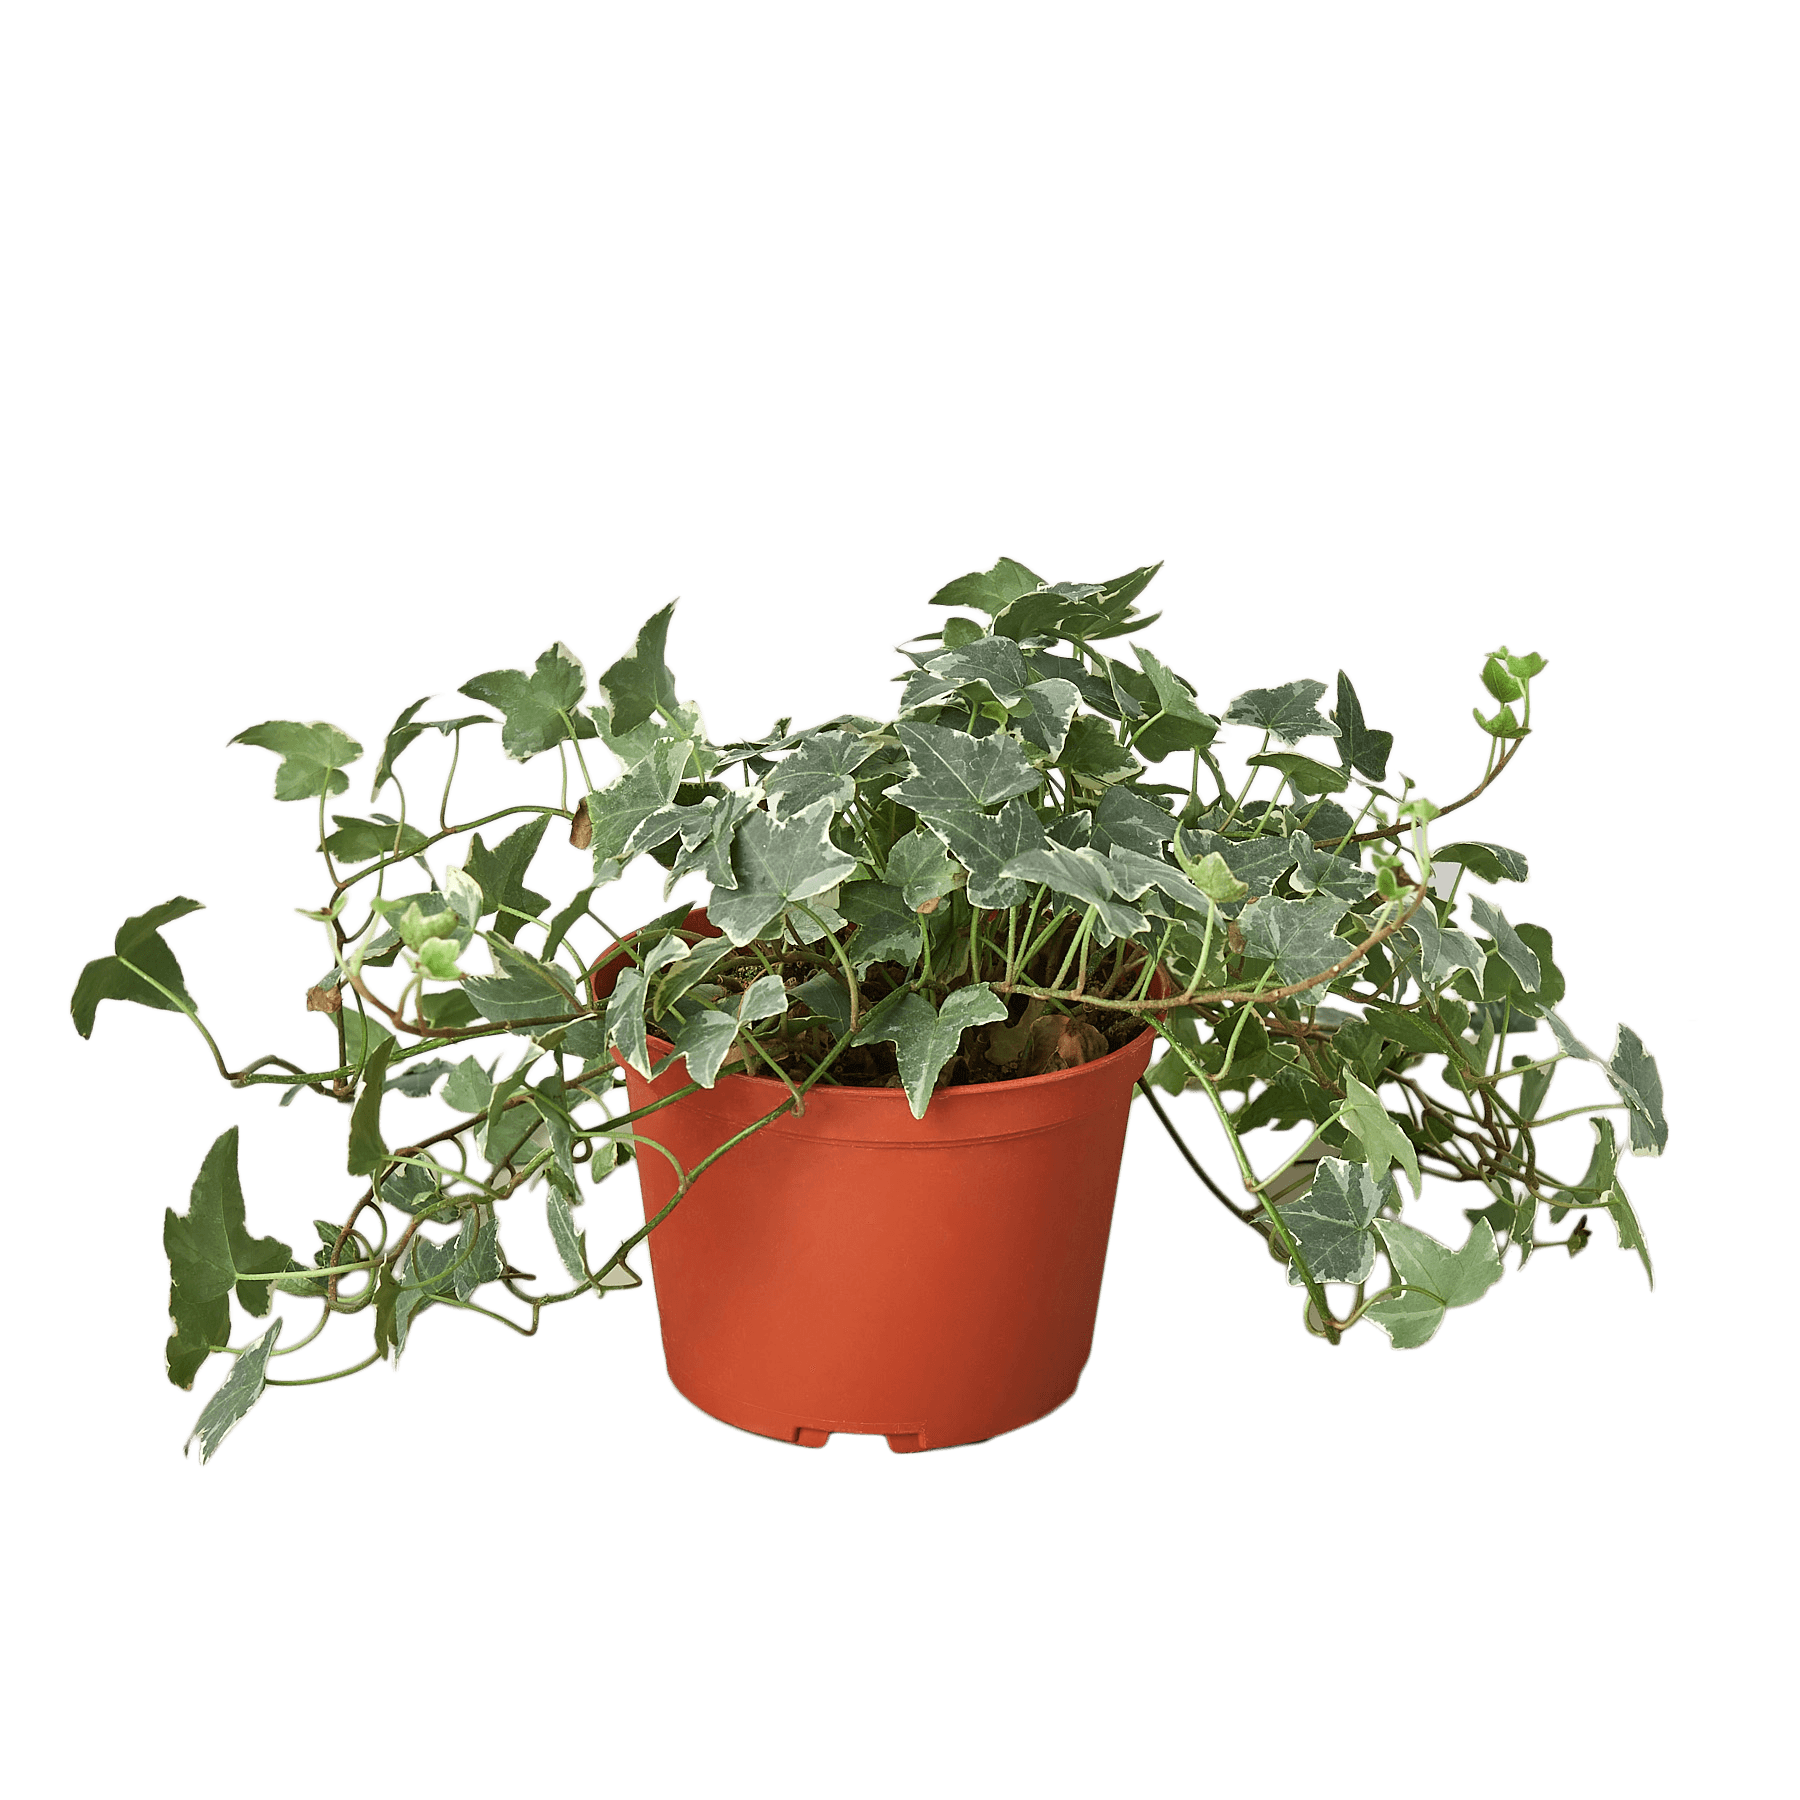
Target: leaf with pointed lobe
column 313, row 757
column 211, row 1254
column 139, row 943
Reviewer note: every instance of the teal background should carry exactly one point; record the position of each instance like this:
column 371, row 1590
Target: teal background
column 354, row 350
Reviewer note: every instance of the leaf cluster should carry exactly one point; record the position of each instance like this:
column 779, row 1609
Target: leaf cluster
column 1039, row 857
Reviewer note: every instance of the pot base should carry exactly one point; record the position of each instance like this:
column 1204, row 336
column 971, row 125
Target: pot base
column 903, row 1437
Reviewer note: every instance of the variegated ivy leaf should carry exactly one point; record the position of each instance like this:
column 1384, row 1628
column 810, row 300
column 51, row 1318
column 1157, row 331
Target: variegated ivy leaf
column 992, row 662
column 1513, row 949
column 626, row 1029
column 1095, row 757
column 1083, row 875
column 535, row 705
column 925, row 1038
column 138, row 951
column 1297, row 936
column 1318, row 872
column 918, row 866
column 1383, row 1142
column 240, row 1391
column 1492, row 862
column 1634, row 1073
column 1436, row 1278
column 362, row 840
column 639, row 684
column 778, row 863
column 984, row 843
column 1176, row 721
column 1440, row 952
column 1045, row 712
column 1079, row 610
column 673, row 975
column 313, row 757
column 1135, row 875
column 709, row 848
column 1359, row 748
column 1132, row 822
column 1289, row 712
column 682, row 725
column 211, row 1253
column 521, row 987
column 822, row 768
column 500, row 874
column 1257, row 862
column 706, row 1034
column 1301, row 773
column 1331, row 1221
column 888, row 930
column 953, row 772
column 1600, row 1187
column 634, row 810
column 991, row 590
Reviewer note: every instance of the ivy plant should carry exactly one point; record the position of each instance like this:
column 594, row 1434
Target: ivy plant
column 1040, row 857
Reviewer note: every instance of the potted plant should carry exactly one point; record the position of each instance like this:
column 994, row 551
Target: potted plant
column 895, row 1047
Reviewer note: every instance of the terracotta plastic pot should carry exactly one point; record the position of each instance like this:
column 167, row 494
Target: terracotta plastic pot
column 856, row 1269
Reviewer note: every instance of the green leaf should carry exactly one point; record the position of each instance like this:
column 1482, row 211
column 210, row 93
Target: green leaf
column 417, row 1079
column 706, row 1035
column 521, row 988
column 1440, row 952
column 1525, row 667
column 1094, row 756
column 240, row 1391
column 1383, row 1142
column 1175, row 722
column 367, row 1151
column 626, row 1029
column 1331, row 1221
column 822, row 768
column 1602, row 1182
column 396, row 740
column 1634, row 1074
column 991, row 590
column 534, row 704
column 1492, row 862
column 952, row 772
column 313, row 756
column 1296, row 935
column 1502, row 725
column 1499, row 680
column 1289, row 712
column 1213, row 877
column 636, row 813
column 888, row 930
column 639, row 684
column 470, row 1086
column 1359, row 748
column 1131, row 822
column 564, row 920
column 1083, row 875
column 362, row 840
column 1134, row 875
column 924, row 1039
column 1513, row 950
column 138, row 942
column 1303, row 775
column 1045, row 713
column 918, row 866
column 778, row 863
column 1257, row 862
column 449, row 1011
column 411, row 1189
column 1320, row 872
column 1439, row 1280
column 1083, row 611
column 990, row 662
column 210, row 1252
column 984, row 844
column 825, row 997
column 500, row 874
